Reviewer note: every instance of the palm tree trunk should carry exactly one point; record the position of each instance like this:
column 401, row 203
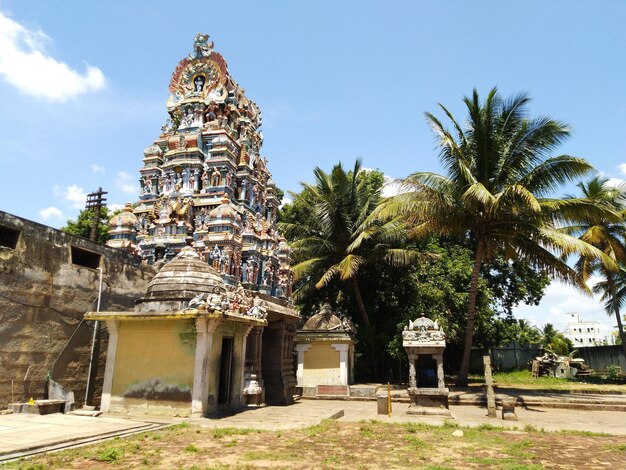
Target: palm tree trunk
column 618, row 317
column 359, row 301
column 620, row 329
column 461, row 379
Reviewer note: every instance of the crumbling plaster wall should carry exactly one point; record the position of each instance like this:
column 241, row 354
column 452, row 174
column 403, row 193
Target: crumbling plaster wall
column 43, row 297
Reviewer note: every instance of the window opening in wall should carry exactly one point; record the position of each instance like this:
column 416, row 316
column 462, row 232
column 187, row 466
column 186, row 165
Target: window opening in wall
column 9, row 237
column 85, row 258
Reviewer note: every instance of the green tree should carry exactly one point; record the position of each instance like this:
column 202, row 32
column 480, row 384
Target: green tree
column 606, row 232
column 82, row 225
column 527, row 333
column 555, row 342
column 330, row 242
column 499, row 174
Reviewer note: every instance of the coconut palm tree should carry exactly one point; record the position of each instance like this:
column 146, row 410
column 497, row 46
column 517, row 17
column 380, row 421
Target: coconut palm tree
column 339, row 203
column 607, row 233
column 528, row 334
column 499, row 174
column 613, row 293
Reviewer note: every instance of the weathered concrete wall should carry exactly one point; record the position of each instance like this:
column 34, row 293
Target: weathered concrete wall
column 512, row 356
column 154, row 367
column 321, row 365
column 43, row 297
column 601, row 357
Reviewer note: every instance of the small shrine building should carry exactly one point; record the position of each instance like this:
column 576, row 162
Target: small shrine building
column 325, row 354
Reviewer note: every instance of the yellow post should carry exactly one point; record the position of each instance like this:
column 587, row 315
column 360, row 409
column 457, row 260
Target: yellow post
column 388, row 400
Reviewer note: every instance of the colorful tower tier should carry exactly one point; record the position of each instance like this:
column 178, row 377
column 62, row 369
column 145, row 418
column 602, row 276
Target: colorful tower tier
column 204, row 177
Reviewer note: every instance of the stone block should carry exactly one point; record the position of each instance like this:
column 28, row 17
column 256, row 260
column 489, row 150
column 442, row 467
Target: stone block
column 39, row 407
column 381, row 404
column 333, row 390
column 508, row 411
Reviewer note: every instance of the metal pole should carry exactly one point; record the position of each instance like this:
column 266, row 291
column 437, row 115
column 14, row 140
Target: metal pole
column 93, row 338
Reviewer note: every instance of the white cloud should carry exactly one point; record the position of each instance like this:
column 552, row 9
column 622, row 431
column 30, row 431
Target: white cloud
column 73, row 194
column 615, row 183
column 25, row 65
column 95, row 169
column 51, row 213
column 286, row 200
column 560, row 299
column 391, row 187
column 115, row 207
column 126, row 183
column 622, row 167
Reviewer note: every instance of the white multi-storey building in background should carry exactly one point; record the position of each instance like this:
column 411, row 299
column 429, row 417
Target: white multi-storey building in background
column 583, row 333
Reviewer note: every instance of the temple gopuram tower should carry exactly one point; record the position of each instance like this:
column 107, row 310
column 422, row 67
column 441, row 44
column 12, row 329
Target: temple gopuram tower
column 205, row 177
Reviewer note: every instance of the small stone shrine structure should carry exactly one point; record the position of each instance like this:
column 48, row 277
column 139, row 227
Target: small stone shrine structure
column 424, row 342
column 325, row 349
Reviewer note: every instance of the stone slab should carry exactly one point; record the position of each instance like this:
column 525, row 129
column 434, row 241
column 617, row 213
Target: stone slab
column 338, row 390
column 27, row 432
column 39, row 407
column 363, row 390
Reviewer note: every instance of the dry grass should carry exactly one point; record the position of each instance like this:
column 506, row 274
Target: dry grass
column 332, row 444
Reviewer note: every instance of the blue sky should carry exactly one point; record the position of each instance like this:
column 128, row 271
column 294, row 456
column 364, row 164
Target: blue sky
column 83, row 87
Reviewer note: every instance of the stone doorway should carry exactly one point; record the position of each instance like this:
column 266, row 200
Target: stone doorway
column 226, row 371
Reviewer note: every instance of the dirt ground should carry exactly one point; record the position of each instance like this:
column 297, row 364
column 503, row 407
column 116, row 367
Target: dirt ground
column 332, row 444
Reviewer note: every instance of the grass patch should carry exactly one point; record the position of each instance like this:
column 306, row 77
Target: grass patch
column 413, row 427
column 109, row 455
column 367, row 431
column 524, row 379
column 191, row 448
column 490, row 427
column 531, row 428
column 321, row 428
column 218, row 433
column 584, row 433
column 273, row 456
column 331, row 460
column 416, row 443
column 500, row 462
column 520, row 449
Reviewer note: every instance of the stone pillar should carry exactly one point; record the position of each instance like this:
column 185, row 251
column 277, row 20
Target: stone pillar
column 412, row 375
column 441, row 383
column 301, row 349
column 109, row 370
column 253, row 353
column 242, row 373
column 204, row 342
column 351, row 369
column 343, row 361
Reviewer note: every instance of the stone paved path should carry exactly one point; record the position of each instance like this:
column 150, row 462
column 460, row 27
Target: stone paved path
column 21, row 432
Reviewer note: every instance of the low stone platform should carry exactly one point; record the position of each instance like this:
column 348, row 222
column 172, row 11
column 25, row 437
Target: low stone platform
column 519, row 397
column 38, row 407
column 25, row 434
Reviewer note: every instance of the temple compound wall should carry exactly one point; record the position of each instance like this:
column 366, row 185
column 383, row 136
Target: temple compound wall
column 48, row 280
